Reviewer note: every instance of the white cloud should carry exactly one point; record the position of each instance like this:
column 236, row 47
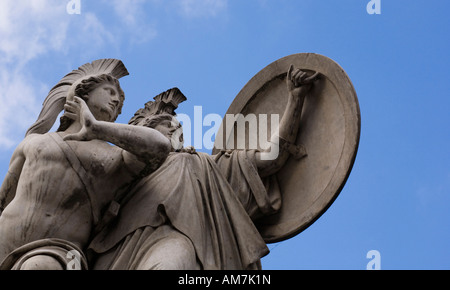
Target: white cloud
column 92, row 34
column 134, row 22
column 130, row 11
column 34, row 29
column 431, row 194
column 202, row 8
column 30, row 30
column 19, row 107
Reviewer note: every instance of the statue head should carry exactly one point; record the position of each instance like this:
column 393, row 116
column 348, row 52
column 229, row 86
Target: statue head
column 167, row 125
column 92, row 90
column 160, row 115
column 65, row 90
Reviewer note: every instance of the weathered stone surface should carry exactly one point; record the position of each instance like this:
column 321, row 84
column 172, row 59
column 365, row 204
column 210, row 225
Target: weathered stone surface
column 129, row 196
column 329, row 132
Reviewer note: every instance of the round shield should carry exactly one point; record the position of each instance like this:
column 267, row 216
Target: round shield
column 328, row 135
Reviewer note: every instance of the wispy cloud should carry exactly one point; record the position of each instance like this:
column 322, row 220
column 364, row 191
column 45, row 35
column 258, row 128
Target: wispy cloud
column 30, row 30
column 36, row 29
column 429, row 194
column 18, row 96
column 132, row 19
column 202, row 8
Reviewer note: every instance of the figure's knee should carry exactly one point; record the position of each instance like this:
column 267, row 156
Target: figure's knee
column 173, row 253
column 182, row 255
column 41, row 262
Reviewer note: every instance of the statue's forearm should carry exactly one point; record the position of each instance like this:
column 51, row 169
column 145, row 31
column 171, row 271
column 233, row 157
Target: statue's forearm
column 290, row 122
column 287, row 131
column 145, row 143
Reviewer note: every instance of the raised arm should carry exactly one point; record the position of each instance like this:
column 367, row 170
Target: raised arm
column 147, row 144
column 298, row 84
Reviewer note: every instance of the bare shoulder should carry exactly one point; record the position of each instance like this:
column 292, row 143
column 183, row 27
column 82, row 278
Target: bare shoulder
column 27, row 141
column 33, row 140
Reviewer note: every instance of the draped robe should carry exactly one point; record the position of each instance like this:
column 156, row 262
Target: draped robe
column 212, row 200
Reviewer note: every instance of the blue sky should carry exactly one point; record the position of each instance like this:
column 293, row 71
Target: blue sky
column 397, row 197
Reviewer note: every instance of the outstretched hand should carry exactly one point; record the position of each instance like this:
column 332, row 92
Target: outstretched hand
column 299, row 82
column 78, row 111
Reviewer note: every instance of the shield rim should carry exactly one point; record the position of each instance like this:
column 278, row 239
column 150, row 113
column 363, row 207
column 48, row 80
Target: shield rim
column 339, row 78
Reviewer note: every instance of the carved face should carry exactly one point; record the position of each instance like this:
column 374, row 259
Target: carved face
column 173, row 131
column 104, row 102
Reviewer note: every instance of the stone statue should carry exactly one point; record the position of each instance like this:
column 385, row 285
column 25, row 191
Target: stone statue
column 196, row 210
column 58, row 183
column 146, row 202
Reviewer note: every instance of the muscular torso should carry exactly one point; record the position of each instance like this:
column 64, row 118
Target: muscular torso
column 51, row 201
